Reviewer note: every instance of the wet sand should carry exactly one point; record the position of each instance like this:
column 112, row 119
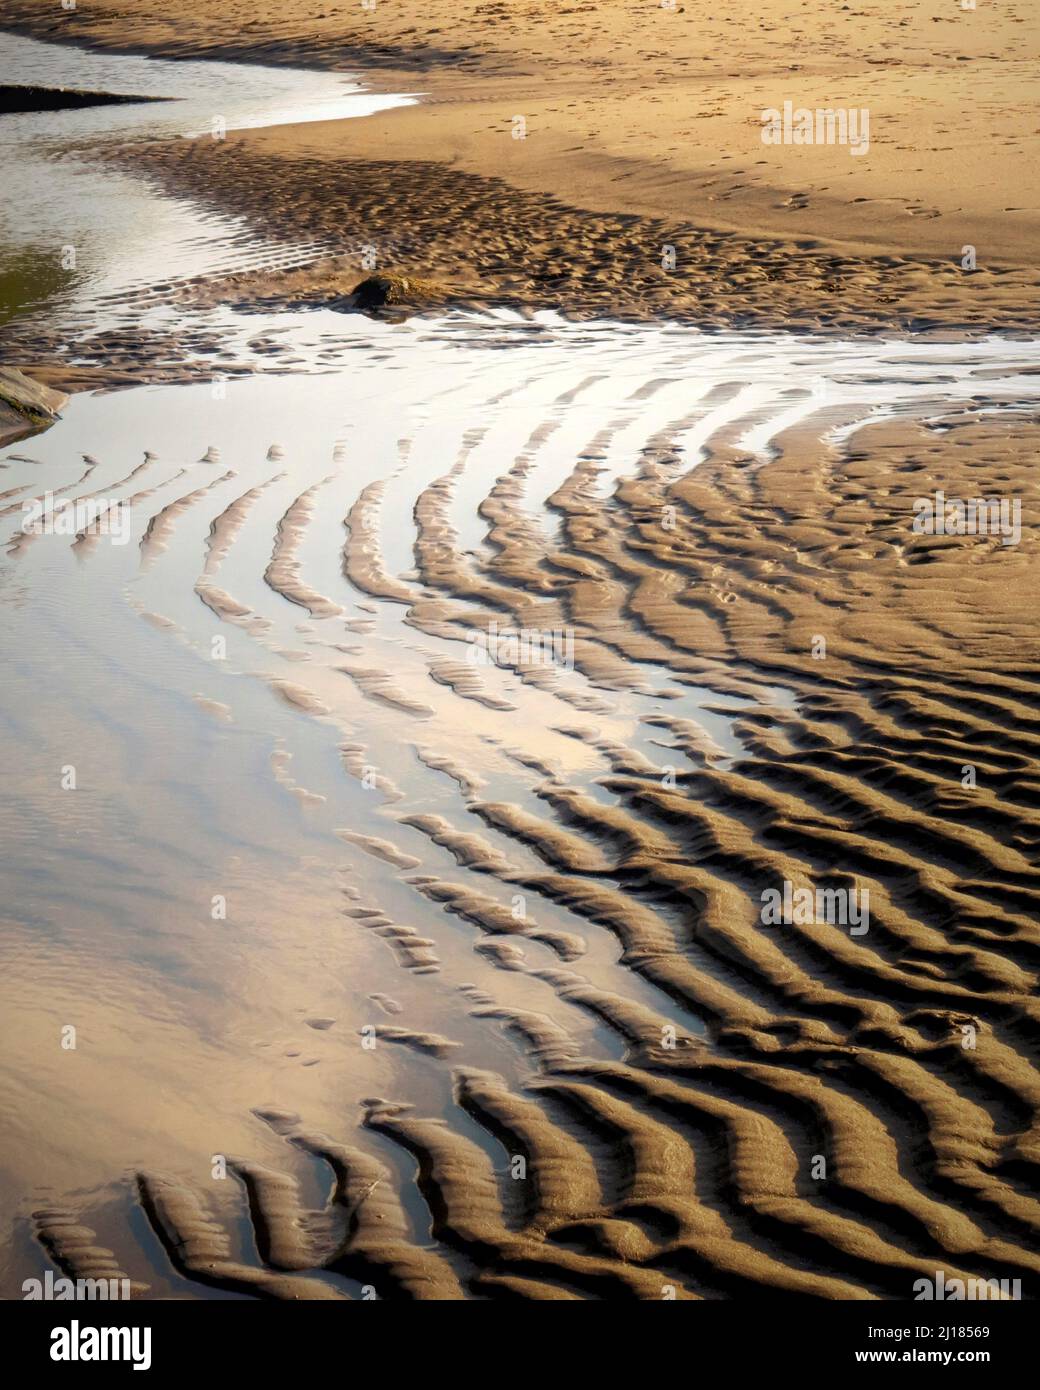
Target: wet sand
column 493, row 1010
column 535, row 892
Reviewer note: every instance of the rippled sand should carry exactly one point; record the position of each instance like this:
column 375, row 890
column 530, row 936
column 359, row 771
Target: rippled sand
column 460, row 965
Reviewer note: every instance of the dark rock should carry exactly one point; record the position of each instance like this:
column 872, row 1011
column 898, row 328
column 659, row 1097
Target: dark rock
column 26, row 407
column 380, row 291
column 14, row 99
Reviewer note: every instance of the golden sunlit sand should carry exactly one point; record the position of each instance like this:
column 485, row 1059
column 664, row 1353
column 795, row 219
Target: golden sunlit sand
column 450, row 946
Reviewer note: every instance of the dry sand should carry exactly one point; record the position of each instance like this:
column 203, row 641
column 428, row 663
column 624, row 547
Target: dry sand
column 650, row 117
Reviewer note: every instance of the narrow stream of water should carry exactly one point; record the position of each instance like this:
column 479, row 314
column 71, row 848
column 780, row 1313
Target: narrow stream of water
column 122, row 233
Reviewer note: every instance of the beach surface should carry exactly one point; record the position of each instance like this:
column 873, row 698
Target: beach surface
column 401, row 950
column 650, row 118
